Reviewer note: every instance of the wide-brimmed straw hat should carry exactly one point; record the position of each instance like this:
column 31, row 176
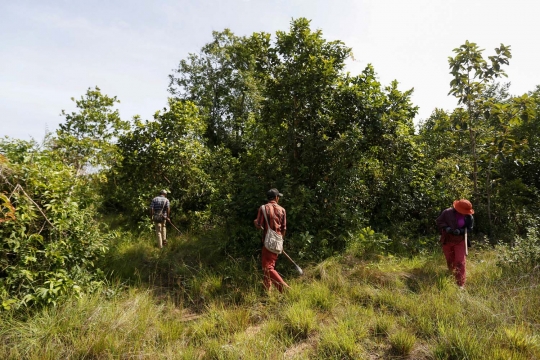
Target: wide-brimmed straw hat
column 463, row 206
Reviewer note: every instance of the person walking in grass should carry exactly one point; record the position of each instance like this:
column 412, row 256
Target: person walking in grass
column 160, row 211
column 276, row 217
column 454, row 224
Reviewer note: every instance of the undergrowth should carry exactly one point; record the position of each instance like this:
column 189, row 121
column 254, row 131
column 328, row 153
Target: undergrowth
column 192, row 301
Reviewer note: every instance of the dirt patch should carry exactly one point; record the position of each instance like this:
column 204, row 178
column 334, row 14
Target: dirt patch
column 420, row 351
column 253, row 330
column 186, row 315
column 297, row 350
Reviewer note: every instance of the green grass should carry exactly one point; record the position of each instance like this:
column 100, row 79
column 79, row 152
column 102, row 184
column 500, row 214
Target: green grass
column 402, row 342
column 189, row 301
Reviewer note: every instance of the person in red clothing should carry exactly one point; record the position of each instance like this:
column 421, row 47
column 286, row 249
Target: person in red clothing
column 278, row 222
column 452, row 223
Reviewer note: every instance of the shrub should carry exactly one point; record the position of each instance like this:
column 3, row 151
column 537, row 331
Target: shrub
column 367, row 242
column 524, row 255
column 49, row 239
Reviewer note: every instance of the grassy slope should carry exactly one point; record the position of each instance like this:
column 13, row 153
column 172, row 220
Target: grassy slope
column 188, row 302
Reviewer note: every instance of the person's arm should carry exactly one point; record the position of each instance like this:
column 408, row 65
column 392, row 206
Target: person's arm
column 168, row 209
column 441, row 221
column 258, row 222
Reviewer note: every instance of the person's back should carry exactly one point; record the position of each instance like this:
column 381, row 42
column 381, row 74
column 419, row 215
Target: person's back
column 277, row 219
column 160, row 204
column 160, row 210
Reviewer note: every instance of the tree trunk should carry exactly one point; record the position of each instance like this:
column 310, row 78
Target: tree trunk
column 473, row 149
column 488, row 194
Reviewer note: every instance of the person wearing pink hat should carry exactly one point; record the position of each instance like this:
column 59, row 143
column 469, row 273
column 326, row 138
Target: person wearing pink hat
column 453, row 223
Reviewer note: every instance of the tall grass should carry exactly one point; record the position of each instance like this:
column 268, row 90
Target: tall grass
column 191, row 301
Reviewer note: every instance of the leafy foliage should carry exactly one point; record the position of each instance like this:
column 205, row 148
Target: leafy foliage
column 524, row 255
column 167, row 153
column 334, row 144
column 49, row 237
column 223, row 81
column 368, row 242
column 253, row 112
column 479, row 149
column 87, row 136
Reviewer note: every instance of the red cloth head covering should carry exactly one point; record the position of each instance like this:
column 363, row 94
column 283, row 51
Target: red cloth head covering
column 463, row 206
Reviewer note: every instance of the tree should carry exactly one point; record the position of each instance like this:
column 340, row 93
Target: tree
column 282, row 112
column 49, row 238
column 87, row 136
column 472, row 75
column 492, row 119
column 445, row 149
column 222, row 81
column 316, row 132
column 166, row 153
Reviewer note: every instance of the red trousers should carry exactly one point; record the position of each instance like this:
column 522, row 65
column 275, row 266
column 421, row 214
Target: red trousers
column 271, row 276
column 454, row 252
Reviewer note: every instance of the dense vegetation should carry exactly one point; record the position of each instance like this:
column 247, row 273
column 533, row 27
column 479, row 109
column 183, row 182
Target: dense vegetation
column 247, row 114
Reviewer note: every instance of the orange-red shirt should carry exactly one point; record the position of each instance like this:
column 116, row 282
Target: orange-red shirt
column 276, row 217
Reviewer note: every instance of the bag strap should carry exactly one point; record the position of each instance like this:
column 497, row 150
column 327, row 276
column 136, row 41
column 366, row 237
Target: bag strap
column 263, row 207
column 163, row 207
column 164, row 203
column 264, row 213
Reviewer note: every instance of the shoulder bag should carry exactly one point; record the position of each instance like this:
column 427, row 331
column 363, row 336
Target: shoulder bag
column 272, row 241
column 159, row 216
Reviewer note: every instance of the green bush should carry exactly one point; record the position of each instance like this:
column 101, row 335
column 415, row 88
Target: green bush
column 368, row 242
column 166, row 153
column 524, row 255
column 49, row 238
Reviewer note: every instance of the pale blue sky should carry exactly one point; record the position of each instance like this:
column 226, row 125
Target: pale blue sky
column 51, row 51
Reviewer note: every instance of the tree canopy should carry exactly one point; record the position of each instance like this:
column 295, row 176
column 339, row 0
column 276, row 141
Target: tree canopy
column 249, row 113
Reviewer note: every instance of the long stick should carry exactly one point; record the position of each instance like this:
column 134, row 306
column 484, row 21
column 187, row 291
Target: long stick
column 170, row 222
column 298, row 268
column 32, row 200
column 466, row 247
